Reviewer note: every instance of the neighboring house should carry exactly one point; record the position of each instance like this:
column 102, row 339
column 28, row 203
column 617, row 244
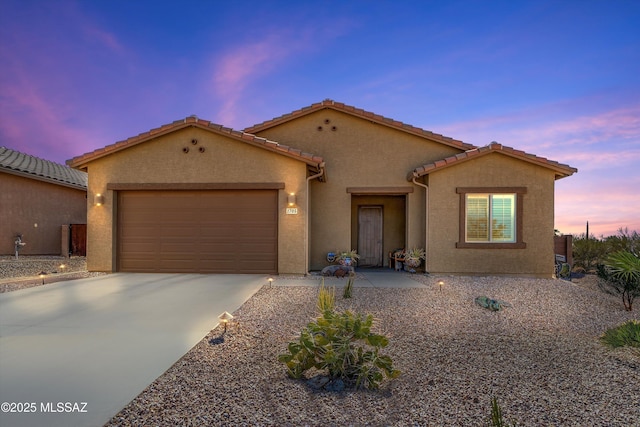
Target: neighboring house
column 37, row 198
column 192, row 196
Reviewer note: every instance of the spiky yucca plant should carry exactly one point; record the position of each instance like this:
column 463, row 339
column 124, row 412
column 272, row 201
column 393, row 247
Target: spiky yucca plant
column 348, row 289
column 620, row 275
column 326, row 298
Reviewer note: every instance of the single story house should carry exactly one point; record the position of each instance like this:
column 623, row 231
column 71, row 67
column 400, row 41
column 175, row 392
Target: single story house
column 276, row 198
column 39, row 200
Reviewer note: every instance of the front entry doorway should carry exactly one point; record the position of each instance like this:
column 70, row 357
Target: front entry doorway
column 370, row 236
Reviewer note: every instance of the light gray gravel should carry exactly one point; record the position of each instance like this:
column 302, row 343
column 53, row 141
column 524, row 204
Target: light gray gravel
column 541, row 358
column 24, row 272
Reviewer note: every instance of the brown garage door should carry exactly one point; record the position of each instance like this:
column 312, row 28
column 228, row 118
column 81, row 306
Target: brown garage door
column 212, row 231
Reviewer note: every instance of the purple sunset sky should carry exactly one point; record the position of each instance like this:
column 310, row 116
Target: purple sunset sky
column 559, row 79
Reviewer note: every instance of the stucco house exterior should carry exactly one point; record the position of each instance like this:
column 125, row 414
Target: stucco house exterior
column 37, row 199
column 193, row 196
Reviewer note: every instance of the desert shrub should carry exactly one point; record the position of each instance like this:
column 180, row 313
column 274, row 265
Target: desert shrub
column 625, row 240
column 348, row 288
column 326, row 298
column 627, row 334
column 620, row 275
column 496, row 419
column 588, row 252
column 342, row 346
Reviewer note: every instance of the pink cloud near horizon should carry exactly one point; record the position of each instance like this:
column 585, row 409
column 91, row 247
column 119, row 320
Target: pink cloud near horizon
column 604, row 146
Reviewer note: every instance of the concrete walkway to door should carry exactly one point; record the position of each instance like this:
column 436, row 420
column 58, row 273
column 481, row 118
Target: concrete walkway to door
column 367, row 278
column 75, row 353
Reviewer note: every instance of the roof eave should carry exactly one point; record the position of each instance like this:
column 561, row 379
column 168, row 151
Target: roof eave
column 43, row 179
column 82, row 162
column 362, row 114
column 561, row 171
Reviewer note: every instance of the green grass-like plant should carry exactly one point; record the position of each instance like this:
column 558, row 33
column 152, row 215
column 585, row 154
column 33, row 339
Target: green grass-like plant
column 326, row 298
column 496, row 419
column 343, row 346
column 348, row 288
column 627, row 334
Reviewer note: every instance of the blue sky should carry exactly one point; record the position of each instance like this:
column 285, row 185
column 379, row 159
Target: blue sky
column 560, row 79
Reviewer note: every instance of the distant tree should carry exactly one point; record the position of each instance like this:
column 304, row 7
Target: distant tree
column 625, row 240
column 588, row 252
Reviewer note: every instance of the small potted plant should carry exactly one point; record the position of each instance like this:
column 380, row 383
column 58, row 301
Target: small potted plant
column 414, row 257
column 348, row 258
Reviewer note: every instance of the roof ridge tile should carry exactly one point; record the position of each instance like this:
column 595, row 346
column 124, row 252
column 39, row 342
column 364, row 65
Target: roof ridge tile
column 361, row 113
column 562, row 170
column 260, row 141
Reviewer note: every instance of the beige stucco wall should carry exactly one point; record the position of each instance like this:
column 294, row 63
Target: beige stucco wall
column 225, row 160
column 358, row 153
column 492, row 170
column 37, row 209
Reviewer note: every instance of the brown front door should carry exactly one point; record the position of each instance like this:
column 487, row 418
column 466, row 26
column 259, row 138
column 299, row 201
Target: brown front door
column 191, row 231
column 370, row 236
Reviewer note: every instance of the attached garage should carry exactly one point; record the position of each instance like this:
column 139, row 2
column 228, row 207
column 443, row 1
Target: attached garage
column 198, row 231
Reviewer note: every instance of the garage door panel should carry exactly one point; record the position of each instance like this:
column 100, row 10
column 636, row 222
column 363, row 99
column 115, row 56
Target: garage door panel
column 232, row 231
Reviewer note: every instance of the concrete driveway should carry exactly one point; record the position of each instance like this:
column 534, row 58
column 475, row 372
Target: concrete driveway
column 75, row 353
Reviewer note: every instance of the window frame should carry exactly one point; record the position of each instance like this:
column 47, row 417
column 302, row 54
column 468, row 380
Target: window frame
column 519, row 193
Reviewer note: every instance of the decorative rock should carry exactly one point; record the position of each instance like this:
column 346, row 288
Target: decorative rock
column 318, row 382
column 335, row 385
column 336, row 270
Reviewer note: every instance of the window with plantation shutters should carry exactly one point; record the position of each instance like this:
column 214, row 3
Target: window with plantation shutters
column 477, row 218
column 491, row 217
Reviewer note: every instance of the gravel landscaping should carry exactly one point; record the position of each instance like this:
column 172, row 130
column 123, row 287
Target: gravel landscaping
column 540, row 358
column 24, row 272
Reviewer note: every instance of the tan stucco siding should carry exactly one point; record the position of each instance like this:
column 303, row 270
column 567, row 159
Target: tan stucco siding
column 224, row 160
column 358, row 153
column 37, row 209
column 494, row 170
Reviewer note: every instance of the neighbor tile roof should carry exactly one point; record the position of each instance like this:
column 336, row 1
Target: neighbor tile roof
column 367, row 115
column 192, row 121
column 17, row 163
column 560, row 169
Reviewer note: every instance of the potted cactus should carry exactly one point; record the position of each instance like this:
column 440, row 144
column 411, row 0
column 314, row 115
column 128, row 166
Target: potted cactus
column 348, row 258
column 414, row 257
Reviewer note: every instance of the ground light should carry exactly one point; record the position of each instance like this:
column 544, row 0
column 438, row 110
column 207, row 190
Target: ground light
column 42, row 274
column 225, row 318
column 440, row 283
column 270, row 281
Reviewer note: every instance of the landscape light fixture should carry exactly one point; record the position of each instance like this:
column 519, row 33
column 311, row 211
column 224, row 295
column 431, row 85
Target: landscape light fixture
column 440, row 283
column 42, row 274
column 270, row 279
column 225, row 318
column 62, row 267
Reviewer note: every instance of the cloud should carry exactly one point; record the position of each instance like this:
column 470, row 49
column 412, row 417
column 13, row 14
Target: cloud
column 238, row 68
column 540, row 128
column 604, row 146
column 606, row 201
column 104, row 38
column 241, row 65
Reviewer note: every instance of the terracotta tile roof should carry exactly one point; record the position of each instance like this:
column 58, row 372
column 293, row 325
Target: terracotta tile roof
column 560, row 169
column 367, row 115
column 22, row 164
column 192, row 121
